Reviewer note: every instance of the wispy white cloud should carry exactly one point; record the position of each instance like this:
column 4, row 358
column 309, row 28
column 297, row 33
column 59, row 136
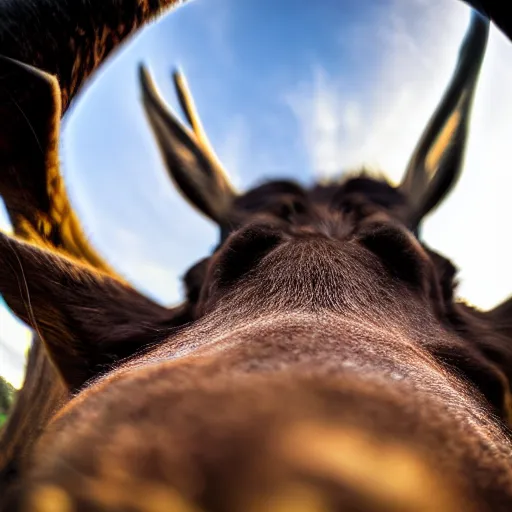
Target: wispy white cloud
column 345, row 129
column 330, row 121
column 378, row 126
column 234, row 149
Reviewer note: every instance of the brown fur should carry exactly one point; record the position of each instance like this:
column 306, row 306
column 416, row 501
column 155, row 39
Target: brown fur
column 69, row 44
column 347, row 338
column 321, row 360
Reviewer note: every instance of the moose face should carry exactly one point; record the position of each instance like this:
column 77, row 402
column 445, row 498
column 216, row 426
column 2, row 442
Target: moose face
column 320, row 362
column 308, row 340
column 342, row 250
column 284, row 214
column 432, row 170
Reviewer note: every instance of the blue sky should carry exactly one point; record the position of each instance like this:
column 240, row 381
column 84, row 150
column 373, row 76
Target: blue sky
column 291, row 89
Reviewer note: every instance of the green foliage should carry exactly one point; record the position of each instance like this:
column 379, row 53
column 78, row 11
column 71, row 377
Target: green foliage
column 7, row 393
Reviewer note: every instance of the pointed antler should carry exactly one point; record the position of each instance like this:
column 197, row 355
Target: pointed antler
column 437, row 160
column 188, row 153
column 31, row 184
column 189, row 109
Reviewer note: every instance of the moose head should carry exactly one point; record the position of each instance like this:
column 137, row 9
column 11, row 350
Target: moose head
column 321, row 361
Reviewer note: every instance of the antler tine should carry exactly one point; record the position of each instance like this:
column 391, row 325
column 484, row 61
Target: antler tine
column 188, row 107
column 437, row 160
column 188, row 155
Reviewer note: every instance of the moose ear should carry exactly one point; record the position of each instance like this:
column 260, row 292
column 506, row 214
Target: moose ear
column 31, row 184
column 30, row 111
column 188, row 154
column 87, row 320
column 437, row 160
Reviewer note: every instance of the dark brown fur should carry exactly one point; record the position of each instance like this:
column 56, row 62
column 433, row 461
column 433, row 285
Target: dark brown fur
column 321, row 361
column 345, row 337
column 71, row 38
column 70, row 42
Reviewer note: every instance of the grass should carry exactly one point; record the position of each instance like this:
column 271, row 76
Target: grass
column 7, row 393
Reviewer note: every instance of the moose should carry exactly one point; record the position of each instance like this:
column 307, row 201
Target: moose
column 321, row 360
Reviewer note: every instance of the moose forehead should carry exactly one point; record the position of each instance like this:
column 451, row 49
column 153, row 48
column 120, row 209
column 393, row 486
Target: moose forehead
column 335, row 195
column 349, row 231
column 368, row 292
column 341, row 205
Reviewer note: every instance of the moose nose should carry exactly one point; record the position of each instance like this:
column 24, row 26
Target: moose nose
column 241, row 253
column 400, row 252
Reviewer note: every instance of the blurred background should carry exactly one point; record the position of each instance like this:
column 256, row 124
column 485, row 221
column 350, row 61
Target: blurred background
column 285, row 89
